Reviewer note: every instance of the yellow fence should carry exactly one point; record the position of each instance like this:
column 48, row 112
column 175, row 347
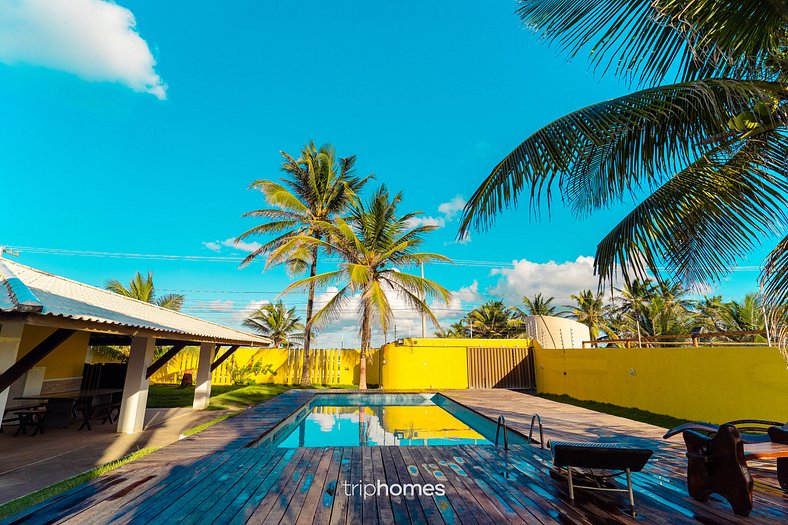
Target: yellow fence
column 277, row 365
column 707, row 384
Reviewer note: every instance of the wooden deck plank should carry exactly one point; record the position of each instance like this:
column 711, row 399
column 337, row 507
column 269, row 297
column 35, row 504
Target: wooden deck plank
column 445, row 460
column 416, row 513
column 322, row 514
column 457, row 498
column 385, row 511
column 305, row 511
column 255, row 493
column 430, row 504
column 355, row 503
column 268, row 465
column 339, row 508
column 369, row 505
column 308, row 481
column 399, row 504
column 279, row 496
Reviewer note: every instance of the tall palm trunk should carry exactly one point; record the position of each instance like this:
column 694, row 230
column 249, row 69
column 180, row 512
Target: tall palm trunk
column 366, row 336
column 306, row 378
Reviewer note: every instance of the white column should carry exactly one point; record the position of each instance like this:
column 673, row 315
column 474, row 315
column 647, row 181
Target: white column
column 202, row 393
column 10, row 337
column 135, row 389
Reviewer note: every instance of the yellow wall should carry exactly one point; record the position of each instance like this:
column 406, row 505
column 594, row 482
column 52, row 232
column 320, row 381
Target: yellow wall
column 715, row 384
column 65, row 361
column 418, row 364
column 280, row 366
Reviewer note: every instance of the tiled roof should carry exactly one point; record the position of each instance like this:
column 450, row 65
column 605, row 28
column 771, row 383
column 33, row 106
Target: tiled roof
column 27, row 290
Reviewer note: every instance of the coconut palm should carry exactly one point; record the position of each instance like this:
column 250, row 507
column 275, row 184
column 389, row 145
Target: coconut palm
column 711, row 313
column 745, row 316
column 316, row 188
column 455, row 330
column 278, row 323
column 590, row 309
column 494, row 320
column 376, row 245
column 539, row 305
column 143, row 289
column 710, row 149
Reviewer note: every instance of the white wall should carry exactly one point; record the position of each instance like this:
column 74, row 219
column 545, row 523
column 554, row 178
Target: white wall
column 556, row 332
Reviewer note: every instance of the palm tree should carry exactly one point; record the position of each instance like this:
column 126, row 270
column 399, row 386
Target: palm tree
column 590, row 309
column 745, row 316
column 278, row 323
column 494, row 320
column 711, row 313
column 456, row 330
column 710, row 148
column 539, row 305
column 144, row 290
column 317, row 188
column 376, row 245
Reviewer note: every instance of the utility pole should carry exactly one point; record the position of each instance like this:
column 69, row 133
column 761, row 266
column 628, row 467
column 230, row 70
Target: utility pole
column 423, row 314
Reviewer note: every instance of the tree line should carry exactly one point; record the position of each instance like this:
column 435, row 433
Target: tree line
column 642, row 308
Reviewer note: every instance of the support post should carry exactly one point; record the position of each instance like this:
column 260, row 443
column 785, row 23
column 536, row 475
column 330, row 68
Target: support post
column 202, row 394
column 135, row 389
column 10, row 337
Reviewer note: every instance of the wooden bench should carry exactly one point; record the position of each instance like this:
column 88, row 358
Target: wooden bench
column 718, row 464
column 30, row 418
column 88, row 411
column 602, row 456
column 14, row 418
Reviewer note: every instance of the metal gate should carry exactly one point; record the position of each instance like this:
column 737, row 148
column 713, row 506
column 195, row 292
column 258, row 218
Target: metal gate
column 501, row 368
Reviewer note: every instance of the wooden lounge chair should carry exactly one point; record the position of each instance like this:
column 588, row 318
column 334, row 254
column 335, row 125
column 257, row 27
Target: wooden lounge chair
column 614, row 459
column 717, row 463
column 750, row 430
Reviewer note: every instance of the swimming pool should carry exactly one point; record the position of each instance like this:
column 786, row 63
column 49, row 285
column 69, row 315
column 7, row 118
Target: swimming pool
column 347, row 420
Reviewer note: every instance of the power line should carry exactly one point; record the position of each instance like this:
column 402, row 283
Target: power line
column 239, row 259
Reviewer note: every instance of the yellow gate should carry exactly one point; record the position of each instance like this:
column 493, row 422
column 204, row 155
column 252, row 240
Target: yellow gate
column 501, row 368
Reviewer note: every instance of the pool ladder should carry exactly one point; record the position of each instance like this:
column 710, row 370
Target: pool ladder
column 501, row 423
column 537, row 419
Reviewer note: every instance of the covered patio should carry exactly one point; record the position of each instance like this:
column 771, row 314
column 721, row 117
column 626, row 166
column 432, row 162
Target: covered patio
column 48, row 325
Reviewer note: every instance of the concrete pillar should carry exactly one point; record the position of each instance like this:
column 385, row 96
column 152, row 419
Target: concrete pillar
column 202, row 392
column 10, row 338
column 135, row 389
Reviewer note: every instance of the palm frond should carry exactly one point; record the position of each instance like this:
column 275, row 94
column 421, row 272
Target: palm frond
column 651, row 41
column 602, row 153
column 706, row 217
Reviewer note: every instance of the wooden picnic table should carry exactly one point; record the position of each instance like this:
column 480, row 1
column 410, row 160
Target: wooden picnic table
column 60, row 405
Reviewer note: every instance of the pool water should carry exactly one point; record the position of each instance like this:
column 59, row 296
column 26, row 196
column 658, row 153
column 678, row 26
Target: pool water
column 347, row 420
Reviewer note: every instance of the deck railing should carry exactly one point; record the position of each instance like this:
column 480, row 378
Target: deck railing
column 695, row 339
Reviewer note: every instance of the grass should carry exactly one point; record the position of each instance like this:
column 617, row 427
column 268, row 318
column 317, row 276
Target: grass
column 200, row 428
column 635, row 414
column 223, row 397
column 171, row 396
column 34, row 498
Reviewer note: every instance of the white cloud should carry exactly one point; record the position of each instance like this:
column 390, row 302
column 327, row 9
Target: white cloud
column 241, row 245
column 216, row 246
column 93, row 39
column 452, row 208
column 414, row 222
column 551, row 279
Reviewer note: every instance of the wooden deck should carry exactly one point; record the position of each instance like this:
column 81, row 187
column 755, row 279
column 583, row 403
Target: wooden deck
column 213, row 478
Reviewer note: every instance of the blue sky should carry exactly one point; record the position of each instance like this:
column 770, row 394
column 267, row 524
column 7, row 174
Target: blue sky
column 102, row 150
